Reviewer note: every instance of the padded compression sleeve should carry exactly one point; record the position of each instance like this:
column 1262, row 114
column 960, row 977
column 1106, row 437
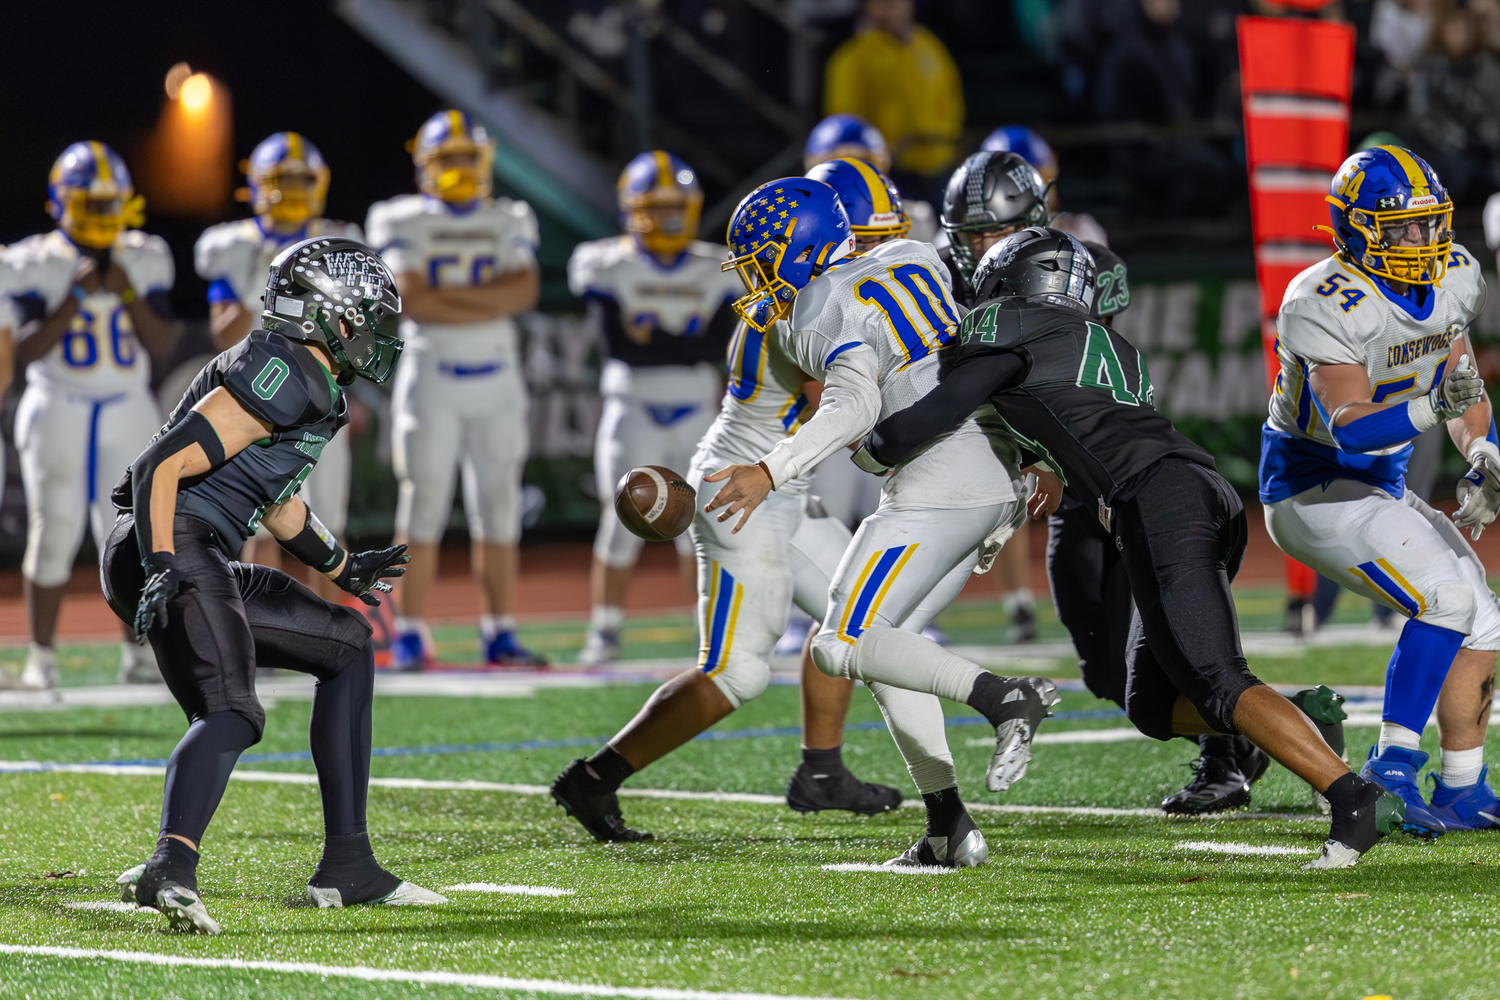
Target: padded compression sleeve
column 966, row 387
column 190, row 430
column 1391, row 426
column 314, row 545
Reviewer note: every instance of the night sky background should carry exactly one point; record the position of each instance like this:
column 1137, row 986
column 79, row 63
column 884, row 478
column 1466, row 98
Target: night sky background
column 94, row 70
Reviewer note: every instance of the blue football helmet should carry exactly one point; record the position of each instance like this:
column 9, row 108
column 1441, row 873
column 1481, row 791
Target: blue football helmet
column 783, row 235
column 455, row 160
column 846, row 135
column 288, row 179
column 869, row 198
column 660, row 202
column 90, row 195
column 1391, row 215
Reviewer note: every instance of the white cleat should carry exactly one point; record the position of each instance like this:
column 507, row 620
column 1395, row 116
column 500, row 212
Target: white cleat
column 602, row 646
column 40, row 672
column 933, row 852
column 405, row 894
column 138, row 665
column 127, row 882
column 1029, row 702
column 1335, row 855
column 184, row 911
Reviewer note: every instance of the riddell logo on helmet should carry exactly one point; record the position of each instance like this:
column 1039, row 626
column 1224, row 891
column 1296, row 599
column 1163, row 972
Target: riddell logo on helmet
column 1426, row 201
column 883, row 219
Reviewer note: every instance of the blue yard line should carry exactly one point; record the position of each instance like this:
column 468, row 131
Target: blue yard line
column 593, row 741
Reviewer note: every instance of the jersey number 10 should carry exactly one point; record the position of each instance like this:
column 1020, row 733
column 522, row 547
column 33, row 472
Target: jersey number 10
column 936, row 317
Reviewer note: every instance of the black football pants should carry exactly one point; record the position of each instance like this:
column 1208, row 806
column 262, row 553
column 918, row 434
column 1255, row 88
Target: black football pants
column 1181, row 538
column 240, row 617
column 1091, row 593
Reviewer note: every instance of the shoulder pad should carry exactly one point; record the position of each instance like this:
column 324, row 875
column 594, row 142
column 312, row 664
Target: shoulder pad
column 990, row 327
column 808, row 305
column 265, row 374
column 222, row 244
column 591, row 258
column 1465, row 283
column 146, row 260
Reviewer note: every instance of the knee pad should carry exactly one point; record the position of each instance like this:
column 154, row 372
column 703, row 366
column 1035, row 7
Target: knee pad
column 48, row 561
column 617, row 547
column 832, row 655
column 1453, row 607
column 742, row 678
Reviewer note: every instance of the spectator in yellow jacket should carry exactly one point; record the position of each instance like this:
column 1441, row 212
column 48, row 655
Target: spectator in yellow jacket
column 897, row 75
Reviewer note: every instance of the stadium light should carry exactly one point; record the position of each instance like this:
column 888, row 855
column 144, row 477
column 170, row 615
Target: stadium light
column 196, row 93
column 185, row 168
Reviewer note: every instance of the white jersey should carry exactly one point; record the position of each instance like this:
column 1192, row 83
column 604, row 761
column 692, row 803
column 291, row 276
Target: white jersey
column 763, row 403
column 453, row 248
column 897, row 300
column 235, row 257
column 637, row 295
column 1334, row 313
column 99, row 355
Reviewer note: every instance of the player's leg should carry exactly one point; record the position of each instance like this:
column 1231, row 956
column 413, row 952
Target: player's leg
column 624, row 440
column 294, row 629
column 821, row 780
column 495, row 440
column 896, row 559
column 1182, row 537
column 1391, row 551
column 1462, row 797
column 53, row 436
column 426, row 443
column 125, row 426
column 326, row 491
column 207, row 658
column 744, row 589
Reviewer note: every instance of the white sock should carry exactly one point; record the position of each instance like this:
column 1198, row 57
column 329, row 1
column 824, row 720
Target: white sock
column 1461, row 768
column 492, row 625
column 417, row 625
column 1022, row 598
column 607, row 618
column 907, row 660
column 1392, row 735
column 916, row 721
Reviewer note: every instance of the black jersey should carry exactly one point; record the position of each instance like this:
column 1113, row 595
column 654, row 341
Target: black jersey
column 1072, row 392
column 280, row 382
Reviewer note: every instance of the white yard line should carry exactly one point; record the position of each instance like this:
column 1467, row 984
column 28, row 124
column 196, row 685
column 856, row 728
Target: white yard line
column 1236, row 848
column 368, row 974
column 512, row 890
column 891, row 869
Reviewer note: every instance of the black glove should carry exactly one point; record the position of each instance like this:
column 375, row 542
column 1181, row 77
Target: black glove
column 164, row 581
column 363, row 572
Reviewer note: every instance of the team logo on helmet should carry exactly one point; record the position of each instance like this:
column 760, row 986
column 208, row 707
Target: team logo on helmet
column 455, row 158
column 90, row 195
column 660, row 202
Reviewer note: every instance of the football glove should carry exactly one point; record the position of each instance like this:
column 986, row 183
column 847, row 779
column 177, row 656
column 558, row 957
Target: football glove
column 364, row 573
column 1478, row 493
column 164, row 581
column 869, row 462
column 1460, row 389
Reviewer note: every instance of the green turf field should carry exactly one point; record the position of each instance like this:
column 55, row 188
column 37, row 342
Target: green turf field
column 732, row 898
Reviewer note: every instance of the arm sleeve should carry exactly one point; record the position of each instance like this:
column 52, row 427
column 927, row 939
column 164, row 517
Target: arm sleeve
column 850, row 405
column 968, row 386
column 192, row 429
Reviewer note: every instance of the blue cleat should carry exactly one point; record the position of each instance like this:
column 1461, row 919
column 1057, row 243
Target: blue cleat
column 1471, row 808
column 503, row 650
column 408, row 652
column 1396, row 771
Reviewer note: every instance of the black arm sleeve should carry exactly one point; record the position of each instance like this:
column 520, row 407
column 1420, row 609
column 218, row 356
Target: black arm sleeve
column 967, row 386
column 190, row 430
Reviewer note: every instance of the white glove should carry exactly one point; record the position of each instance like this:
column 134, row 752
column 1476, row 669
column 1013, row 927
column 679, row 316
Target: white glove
column 1478, row 492
column 1460, row 389
column 989, row 549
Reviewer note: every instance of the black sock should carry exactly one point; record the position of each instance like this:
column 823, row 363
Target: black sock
column 1217, row 745
column 198, row 772
column 173, row 861
column 348, row 864
column 339, row 736
column 606, row 771
column 823, row 762
column 1344, row 794
column 944, row 807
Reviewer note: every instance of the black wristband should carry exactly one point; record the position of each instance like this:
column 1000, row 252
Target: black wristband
column 314, row 545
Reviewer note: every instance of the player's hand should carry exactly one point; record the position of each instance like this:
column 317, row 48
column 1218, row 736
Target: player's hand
column 86, row 274
column 1047, row 496
column 115, row 278
column 747, row 486
column 1478, row 495
column 364, row 573
column 1460, row 389
column 164, row 581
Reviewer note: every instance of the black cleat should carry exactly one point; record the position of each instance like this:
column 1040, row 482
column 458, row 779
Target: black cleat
column 598, row 814
column 1022, row 624
column 1219, row 785
column 809, row 793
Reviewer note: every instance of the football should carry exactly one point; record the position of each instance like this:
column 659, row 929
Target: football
column 655, row 503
